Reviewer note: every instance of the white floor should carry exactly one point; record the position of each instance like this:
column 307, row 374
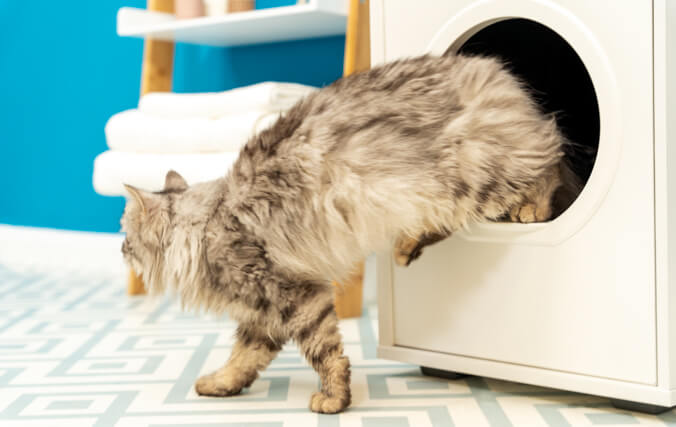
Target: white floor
column 76, row 350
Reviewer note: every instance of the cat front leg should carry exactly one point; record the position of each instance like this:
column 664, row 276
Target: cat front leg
column 408, row 249
column 253, row 351
column 537, row 206
column 320, row 342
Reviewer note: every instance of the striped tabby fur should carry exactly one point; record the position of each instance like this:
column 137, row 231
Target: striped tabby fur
column 402, row 154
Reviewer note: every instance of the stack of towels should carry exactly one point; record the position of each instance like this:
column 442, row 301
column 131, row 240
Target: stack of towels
column 199, row 135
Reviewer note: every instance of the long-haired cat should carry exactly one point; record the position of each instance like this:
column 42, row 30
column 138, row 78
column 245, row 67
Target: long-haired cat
column 405, row 153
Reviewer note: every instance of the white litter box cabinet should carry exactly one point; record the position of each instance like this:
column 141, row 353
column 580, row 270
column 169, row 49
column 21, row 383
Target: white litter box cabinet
column 586, row 302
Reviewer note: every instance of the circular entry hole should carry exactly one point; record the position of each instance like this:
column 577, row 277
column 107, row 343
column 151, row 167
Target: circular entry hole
column 560, row 84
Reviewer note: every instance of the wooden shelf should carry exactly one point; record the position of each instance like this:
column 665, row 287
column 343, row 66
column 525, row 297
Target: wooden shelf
column 318, row 18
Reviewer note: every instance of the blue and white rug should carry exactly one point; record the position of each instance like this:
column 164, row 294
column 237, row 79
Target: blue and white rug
column 75, row 350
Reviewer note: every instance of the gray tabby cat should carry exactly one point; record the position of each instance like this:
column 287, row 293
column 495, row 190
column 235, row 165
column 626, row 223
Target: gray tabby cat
column 405, row 153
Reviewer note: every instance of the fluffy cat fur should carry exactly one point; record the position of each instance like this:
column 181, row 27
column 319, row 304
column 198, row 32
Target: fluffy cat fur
column 402, row 154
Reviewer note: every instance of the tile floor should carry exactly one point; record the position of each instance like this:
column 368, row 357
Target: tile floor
column 75, row 350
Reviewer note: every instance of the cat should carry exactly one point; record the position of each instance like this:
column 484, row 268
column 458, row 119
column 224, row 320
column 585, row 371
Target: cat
column 404, row 153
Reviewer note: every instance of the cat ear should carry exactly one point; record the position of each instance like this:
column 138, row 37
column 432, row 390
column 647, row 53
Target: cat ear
column 174, row 182
column 138, row 196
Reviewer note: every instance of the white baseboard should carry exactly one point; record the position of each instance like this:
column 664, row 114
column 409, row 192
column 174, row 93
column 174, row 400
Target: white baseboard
column 28, row 248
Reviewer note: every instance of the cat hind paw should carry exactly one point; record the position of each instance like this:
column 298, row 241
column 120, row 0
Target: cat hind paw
column 323, row 404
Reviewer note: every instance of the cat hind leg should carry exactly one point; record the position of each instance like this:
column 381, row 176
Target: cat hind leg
column 317, row 335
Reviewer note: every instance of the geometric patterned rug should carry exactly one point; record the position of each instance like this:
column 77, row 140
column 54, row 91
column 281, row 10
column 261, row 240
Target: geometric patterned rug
column 75, row 350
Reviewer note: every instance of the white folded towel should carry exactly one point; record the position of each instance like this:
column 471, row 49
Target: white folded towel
column 137, row 131
column 148, row 171
column 267, row 96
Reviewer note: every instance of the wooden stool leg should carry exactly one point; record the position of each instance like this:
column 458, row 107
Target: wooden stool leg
column 349, row 296
column 357, row 38
column 158, row 57
column 156, row 76
column 135, row 284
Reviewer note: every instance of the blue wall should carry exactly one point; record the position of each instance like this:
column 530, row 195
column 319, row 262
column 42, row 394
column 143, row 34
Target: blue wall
column 64, row 72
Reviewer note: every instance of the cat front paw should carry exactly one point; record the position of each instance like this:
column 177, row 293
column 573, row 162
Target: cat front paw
column 530, row 212
column 324, row 404
column 215, row 385
column 524, row 213
column 406, row 250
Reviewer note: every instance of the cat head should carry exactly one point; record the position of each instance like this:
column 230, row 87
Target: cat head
column 146, row 221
